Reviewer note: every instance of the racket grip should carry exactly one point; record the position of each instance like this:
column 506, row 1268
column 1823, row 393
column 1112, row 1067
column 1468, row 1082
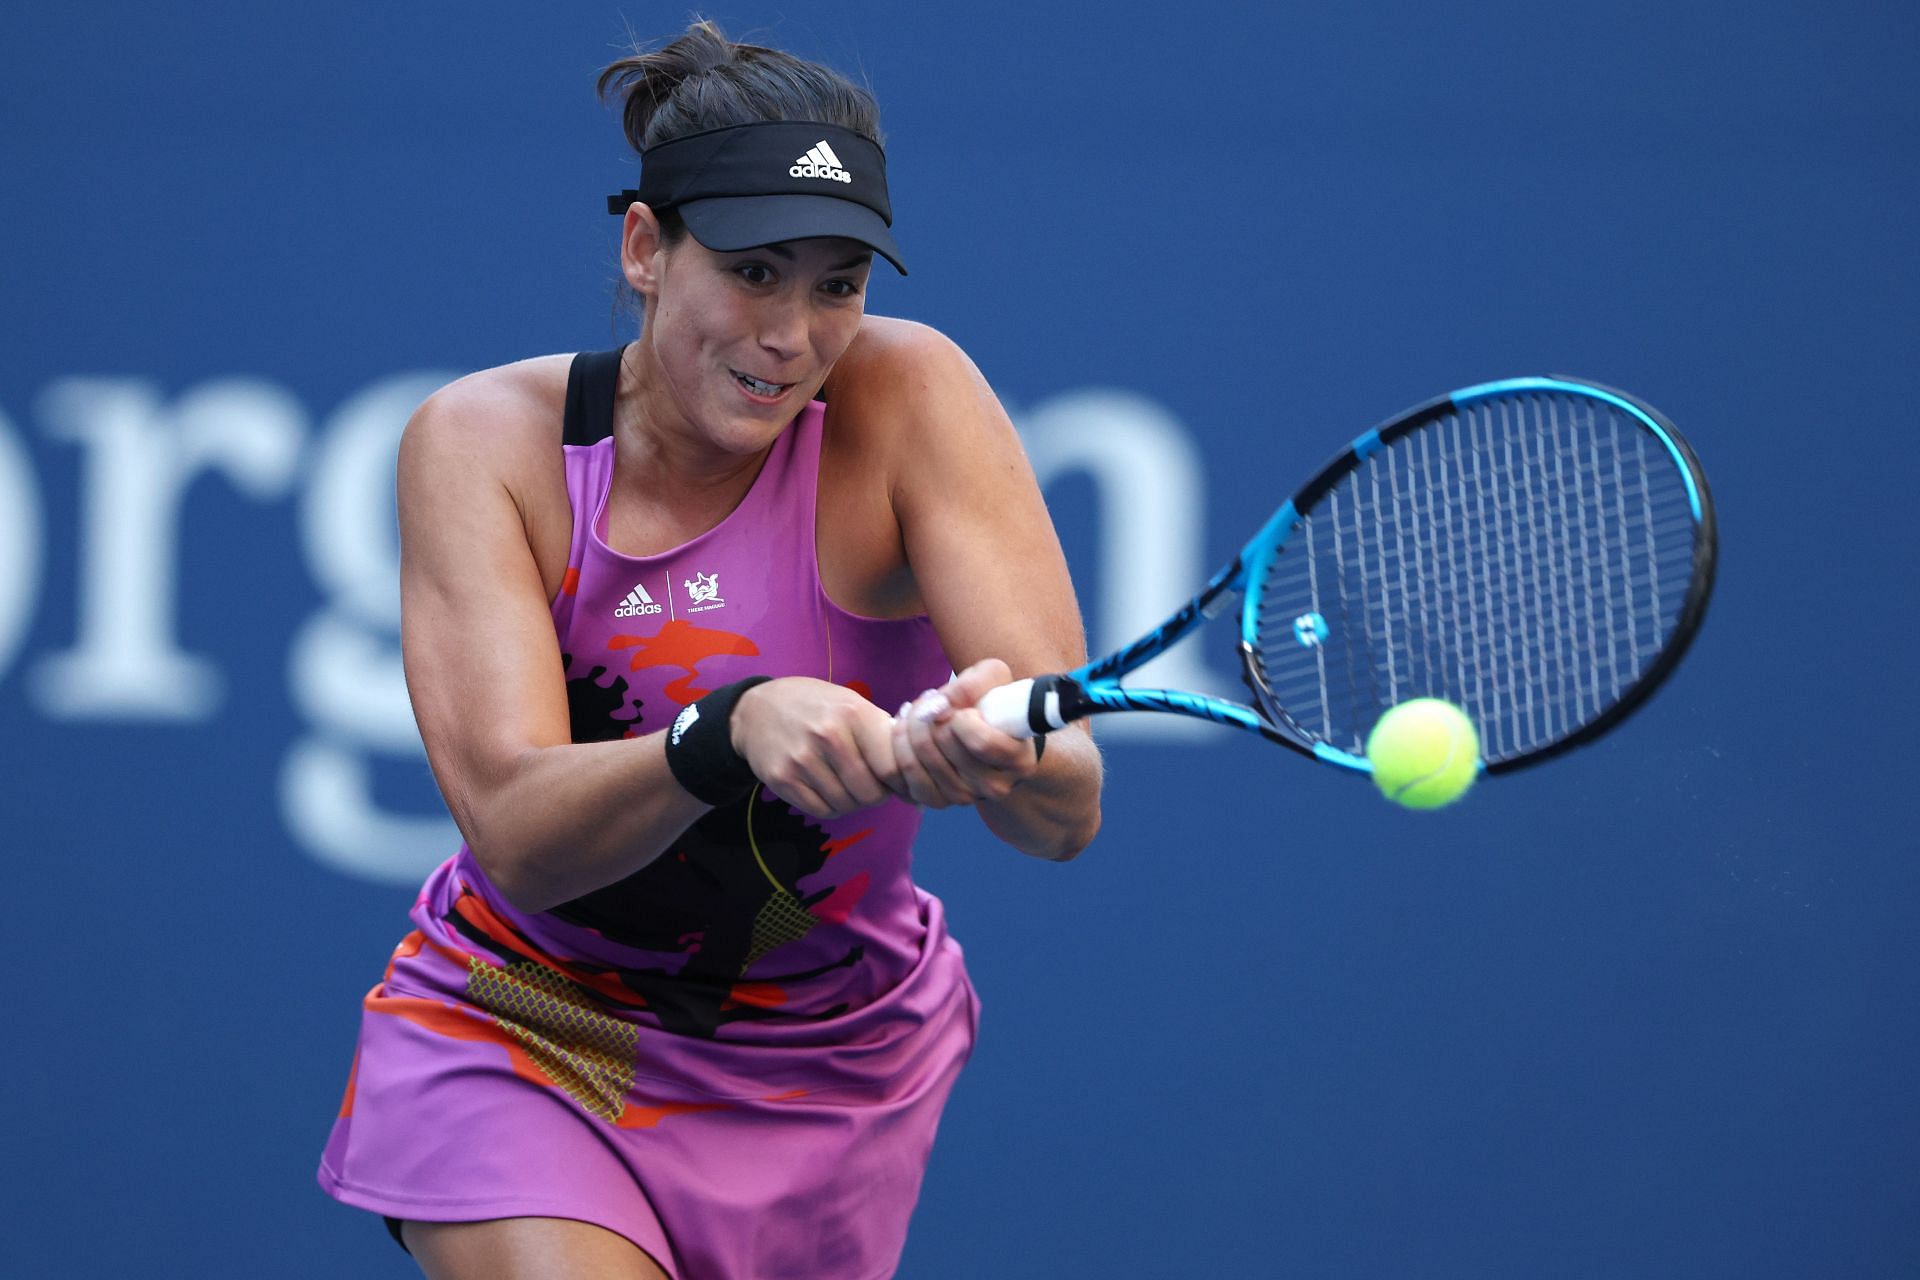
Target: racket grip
column 1005, row 708
column 1025, row 708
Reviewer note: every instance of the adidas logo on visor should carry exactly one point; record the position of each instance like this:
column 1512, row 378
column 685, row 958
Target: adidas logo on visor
column 820, row 162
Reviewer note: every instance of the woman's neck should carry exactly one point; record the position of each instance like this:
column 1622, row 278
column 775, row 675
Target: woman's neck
column 671, row 482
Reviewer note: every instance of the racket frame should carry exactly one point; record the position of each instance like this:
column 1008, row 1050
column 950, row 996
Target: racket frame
column 1053, row 701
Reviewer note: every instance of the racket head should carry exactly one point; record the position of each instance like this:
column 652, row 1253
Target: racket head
column 1538, row 551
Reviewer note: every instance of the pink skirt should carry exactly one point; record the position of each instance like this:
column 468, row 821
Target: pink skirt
column 491, row 1082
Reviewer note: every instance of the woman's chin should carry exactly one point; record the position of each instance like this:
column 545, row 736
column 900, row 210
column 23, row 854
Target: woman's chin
column 746, row 432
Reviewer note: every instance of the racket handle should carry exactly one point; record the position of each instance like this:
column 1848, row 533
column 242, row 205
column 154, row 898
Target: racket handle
column 1025, row 708
column 1005, row 708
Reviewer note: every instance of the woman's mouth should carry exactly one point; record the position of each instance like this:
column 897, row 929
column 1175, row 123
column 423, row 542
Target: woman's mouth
column 759, row 389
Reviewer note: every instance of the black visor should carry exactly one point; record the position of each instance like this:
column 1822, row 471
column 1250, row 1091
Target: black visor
column 758, row 184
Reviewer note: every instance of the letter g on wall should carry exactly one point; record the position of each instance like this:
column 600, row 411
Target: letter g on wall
column 344, row 670
column 20, row 544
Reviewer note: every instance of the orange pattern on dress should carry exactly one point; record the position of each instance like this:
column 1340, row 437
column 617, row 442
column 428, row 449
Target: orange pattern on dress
column 459, row 1022
column 353, row 1074
column 838, row 905
column 681, row 644
column 760, row 995
column 840, row 844
column 472, row 908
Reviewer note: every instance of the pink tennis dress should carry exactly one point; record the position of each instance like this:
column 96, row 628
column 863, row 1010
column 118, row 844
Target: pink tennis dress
column 736, row 1057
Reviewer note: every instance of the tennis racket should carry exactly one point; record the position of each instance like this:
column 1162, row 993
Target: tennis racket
column 1537, row 551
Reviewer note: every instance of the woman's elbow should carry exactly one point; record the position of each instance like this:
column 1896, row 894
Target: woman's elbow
column 503, row 874
column 1058, row 839
column 506, row 862
column 1074, row 840
column 498, row 844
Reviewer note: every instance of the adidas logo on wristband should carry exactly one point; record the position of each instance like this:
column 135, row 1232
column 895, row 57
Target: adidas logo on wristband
column 683, row 722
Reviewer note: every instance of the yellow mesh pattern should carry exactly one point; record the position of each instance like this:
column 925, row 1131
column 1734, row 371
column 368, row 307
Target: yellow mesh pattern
column 781, row 920
column 587, row 1053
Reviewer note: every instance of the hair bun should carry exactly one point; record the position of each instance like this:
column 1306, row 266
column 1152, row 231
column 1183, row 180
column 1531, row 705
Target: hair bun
column 670, row 92
column 648, row 80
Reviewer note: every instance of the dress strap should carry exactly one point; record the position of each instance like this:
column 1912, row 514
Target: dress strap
column 592, row 382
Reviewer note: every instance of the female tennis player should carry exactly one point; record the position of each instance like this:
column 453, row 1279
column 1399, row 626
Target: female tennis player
column 681, row 624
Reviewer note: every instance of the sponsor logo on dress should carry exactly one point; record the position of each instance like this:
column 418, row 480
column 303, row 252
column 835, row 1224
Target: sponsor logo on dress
column 638, row 604
column 683, row 722
column 703, row 592
column 820, row 162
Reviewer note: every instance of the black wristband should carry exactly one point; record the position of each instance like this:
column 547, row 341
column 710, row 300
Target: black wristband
column 700, row 747
column 1039, row 747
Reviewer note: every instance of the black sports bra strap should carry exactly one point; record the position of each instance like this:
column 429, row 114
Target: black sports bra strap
column 591, row 383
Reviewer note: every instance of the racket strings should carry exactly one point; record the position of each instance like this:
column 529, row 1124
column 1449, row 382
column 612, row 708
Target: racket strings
column 1526, row 557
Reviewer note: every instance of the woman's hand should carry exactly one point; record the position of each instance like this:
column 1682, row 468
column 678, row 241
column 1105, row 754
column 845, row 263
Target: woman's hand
column 822, row 748
column 946, row 753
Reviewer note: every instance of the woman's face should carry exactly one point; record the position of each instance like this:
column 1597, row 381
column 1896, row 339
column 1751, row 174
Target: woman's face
column 743, row 340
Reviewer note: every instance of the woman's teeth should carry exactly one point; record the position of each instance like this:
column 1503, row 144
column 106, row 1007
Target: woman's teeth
column 760, row 388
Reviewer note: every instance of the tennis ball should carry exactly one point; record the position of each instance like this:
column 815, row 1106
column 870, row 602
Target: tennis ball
column 1425, row 753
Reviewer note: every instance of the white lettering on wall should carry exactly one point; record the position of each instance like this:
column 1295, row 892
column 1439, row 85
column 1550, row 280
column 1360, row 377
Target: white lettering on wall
column 344, row 669
column 1152, row 520
column 324, row 800
column 20, row 551
column 141, row 457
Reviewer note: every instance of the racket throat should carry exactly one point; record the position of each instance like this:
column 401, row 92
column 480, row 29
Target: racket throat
column 1056, row 701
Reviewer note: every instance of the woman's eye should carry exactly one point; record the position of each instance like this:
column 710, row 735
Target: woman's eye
column 754, row 273
column 841, row 288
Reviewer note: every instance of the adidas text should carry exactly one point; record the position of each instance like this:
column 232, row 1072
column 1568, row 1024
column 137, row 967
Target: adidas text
column 638, row 604
column 820, row 162
column 812, row 170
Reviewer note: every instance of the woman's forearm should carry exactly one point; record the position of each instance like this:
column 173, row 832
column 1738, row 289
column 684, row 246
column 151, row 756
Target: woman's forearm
column 1055, row 813
column 569, row 819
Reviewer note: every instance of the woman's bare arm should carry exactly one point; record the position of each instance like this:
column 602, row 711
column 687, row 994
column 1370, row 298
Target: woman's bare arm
column 989, row 567
column 546, row 819
column 549, row 819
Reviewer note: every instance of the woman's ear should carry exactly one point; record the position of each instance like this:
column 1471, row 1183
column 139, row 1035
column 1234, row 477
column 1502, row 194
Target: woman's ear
column 640, row 247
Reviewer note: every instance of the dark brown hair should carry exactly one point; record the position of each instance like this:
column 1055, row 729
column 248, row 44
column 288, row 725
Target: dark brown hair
column 705, row 81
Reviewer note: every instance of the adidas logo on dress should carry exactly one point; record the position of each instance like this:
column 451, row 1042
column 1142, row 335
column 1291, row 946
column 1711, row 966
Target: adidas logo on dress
column 820, row 162
column 638, row 604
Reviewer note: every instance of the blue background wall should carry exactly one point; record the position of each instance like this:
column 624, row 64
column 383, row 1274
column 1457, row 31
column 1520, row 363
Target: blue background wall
column 1651, row 1011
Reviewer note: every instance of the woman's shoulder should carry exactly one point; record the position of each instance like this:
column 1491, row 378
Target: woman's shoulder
column 491, row 432
column 888, row 349
column 524, row 399
column 504, row 420
column 892, row 376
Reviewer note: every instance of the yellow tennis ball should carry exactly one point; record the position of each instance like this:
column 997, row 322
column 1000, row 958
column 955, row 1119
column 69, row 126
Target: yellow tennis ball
column 1425, row 753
